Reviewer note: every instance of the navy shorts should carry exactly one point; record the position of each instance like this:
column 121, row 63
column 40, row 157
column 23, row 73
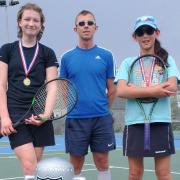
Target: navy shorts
column 97, row 133
column 40, row 136
column 161, row 140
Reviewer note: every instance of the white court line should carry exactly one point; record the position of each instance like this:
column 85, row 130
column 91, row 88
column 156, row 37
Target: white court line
column 94, row 169
column 12, row 178
column 11, row 156
column 126, row 168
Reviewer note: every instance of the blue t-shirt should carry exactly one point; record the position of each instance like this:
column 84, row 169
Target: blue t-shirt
column 162, row 111
column 89, row 69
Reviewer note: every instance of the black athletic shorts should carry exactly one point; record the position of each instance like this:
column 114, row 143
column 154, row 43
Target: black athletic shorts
column 40, row 136
column 161, row 140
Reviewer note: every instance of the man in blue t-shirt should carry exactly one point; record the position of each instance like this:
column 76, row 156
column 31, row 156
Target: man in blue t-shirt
column 91, row 68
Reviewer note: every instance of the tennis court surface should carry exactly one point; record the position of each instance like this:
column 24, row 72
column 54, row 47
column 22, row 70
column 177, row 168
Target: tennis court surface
column 10, row 168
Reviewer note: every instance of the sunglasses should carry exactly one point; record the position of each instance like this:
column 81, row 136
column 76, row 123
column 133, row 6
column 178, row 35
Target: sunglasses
column 145, row 29
column 83, row 23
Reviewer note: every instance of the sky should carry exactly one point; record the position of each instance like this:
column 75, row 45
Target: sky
column 115, row 19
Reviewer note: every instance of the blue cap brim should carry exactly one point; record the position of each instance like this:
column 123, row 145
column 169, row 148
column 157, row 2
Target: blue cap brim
column 145, row 23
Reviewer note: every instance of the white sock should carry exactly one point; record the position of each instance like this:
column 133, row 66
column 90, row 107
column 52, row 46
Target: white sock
column 77, row 175
column 104, row 175
column 29, row 177
column 79, row 178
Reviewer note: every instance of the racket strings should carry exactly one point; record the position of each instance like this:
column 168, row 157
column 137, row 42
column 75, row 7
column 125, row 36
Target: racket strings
column 145, row 72
column 66, row 98
column 155, row 75
column 58, row 97
column 39, row 103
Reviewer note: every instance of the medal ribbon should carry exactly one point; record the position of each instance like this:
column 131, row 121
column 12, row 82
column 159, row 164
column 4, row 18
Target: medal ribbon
column 147, row 79
column 26, row 70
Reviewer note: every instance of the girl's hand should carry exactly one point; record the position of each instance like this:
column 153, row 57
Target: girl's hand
column 6, row 127
column 34, row 120
column 162, row 90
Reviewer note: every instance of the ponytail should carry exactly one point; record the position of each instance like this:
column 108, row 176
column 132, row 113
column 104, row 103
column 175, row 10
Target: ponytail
column 161, row 52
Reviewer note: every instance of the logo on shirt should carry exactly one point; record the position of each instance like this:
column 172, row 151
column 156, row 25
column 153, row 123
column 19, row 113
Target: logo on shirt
column 98, row 57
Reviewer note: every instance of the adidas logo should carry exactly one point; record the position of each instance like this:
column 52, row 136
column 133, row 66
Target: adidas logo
column 98, row 57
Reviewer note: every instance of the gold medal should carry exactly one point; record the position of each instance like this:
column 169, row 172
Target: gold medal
column 27, row 69
column 26, row 81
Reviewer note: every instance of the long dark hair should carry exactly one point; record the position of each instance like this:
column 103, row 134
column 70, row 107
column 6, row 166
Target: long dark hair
column 161, row 52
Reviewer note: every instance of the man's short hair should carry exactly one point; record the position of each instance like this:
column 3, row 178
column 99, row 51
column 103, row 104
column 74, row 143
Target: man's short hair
column 84, row 12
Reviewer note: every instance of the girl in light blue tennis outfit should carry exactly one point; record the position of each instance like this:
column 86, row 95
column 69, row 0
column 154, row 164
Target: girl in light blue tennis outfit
column 146, row 34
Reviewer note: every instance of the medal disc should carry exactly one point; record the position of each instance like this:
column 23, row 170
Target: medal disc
column 26, row 81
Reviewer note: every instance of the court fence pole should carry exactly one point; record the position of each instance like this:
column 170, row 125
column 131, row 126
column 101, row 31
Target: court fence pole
column 6, row 4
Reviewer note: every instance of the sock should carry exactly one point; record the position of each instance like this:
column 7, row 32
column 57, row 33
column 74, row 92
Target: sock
column 77, row 175
column 104, row 175
column 79, row 178
column 29, row 177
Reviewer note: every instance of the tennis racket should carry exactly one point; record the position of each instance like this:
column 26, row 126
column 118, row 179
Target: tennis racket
column 147, row 70
column 56, row 98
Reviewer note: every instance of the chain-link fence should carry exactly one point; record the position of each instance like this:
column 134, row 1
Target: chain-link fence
column 118, row 114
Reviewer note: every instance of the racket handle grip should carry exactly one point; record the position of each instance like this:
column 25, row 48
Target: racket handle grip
column 147, row 136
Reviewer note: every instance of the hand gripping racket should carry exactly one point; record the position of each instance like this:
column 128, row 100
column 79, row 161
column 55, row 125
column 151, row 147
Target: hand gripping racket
column 147, row 70
column 55, row 99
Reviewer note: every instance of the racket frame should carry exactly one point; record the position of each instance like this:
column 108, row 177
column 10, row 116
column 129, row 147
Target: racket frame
column 22, row 119
column 154, row 100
